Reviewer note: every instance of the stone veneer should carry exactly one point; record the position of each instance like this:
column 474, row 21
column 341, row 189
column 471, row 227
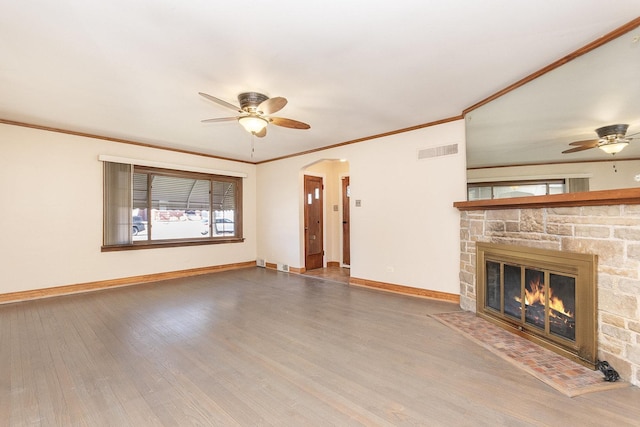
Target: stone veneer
column 612, row 232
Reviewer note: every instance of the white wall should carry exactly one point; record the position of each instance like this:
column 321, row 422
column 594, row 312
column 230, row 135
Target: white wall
column 51, row 221
column 406, row 232
column 607, row 175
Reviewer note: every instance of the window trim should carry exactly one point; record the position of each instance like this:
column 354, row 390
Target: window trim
column 493, row 184
column 169, row 166
column 209, row 240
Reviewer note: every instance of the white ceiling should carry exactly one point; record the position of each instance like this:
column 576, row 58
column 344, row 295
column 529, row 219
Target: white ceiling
column 132, row 69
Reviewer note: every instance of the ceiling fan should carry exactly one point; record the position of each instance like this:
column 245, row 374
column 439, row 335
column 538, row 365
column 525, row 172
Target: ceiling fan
column 255, row 109
column 611, row 140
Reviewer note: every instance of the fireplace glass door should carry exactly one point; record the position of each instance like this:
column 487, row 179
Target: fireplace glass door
column 562, row 306
column 535, row 298
column 539, row 299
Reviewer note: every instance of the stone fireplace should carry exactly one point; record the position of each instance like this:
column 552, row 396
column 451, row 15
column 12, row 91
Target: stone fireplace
column 603, row 223
column 544, row 295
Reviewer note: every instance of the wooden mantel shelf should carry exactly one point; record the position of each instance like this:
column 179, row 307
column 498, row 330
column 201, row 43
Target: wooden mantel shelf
column 626, row 196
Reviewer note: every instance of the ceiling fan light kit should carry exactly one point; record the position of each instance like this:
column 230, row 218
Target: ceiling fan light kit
column 253, row 124
column 612, row 139
column 613, row 147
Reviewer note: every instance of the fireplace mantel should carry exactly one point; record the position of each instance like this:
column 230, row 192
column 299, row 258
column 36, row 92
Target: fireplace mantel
column 626, row 196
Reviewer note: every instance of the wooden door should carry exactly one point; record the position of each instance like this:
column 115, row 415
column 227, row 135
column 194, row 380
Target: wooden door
column 313, row 222
column 346, row 220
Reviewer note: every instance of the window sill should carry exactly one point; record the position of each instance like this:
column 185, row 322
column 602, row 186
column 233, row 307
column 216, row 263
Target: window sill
column 169, row 244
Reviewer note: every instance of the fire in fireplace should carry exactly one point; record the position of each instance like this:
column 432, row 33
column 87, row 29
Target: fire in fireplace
column 546, row 296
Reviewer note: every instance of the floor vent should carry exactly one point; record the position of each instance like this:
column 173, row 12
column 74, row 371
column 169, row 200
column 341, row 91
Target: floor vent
column 283, row 267
column 261, row 262
column 442, row 150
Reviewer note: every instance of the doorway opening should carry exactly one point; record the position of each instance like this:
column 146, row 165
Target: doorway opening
column 326, row 236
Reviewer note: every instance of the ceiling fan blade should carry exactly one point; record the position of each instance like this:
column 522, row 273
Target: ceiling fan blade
column 220, row 102
column 272, row 105
column 261, row 134
column 288, row 123
column 576, row 149
column 585, row 142
column 220, row 119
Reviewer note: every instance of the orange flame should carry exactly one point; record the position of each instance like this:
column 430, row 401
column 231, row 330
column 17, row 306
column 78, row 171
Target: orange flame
column 556, row 304
column 536, row 295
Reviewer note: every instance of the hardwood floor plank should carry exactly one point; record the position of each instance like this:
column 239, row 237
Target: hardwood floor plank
column 24, row 403
column 5, row 360
column 259, row 347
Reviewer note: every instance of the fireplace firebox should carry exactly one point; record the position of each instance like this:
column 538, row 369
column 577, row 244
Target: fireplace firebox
column 546, row 296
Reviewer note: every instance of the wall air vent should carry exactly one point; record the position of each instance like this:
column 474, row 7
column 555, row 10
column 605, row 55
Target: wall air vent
column 283, row 267
column 442, row 150
column 260, row 262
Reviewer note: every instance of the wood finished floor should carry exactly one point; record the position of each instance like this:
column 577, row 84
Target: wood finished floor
column 334, row 274
column 257, row 347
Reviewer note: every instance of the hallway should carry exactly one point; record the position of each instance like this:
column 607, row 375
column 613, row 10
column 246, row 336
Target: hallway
column 335, row 274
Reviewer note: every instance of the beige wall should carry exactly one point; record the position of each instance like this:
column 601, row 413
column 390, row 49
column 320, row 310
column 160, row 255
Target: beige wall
column 51, row 222
column 406, row 230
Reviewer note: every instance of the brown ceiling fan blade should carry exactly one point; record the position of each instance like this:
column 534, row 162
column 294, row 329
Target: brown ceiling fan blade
column 220, row 119
column 576, row 149
column 220, row 102
column 272, row 105
column 261, row 134
column 585, row 142
column 288, row 123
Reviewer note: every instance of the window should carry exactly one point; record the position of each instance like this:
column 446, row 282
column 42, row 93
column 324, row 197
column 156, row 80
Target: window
column 500, row 190
column 151, row 207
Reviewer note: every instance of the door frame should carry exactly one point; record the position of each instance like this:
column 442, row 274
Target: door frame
column 340, row 196
column 303, row 243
